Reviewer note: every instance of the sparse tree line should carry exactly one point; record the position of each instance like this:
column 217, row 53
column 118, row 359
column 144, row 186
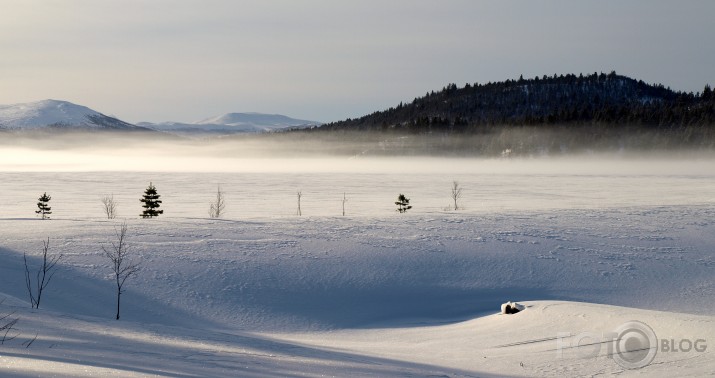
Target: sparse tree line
column 217, row 208
column 150, row 202
column 123, row 263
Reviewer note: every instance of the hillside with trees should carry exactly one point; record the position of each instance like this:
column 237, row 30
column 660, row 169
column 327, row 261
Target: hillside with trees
column 562, row 112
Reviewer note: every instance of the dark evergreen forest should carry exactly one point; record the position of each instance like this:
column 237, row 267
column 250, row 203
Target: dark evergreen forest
column 559, row 113
column 560, row 99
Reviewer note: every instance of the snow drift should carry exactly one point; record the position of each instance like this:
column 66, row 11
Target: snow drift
column 375, row 293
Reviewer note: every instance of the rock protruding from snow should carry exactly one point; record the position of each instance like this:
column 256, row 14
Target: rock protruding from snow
column 510, row 307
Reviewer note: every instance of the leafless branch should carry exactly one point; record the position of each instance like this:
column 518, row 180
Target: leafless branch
column 44, row 274
column 27, row 343
column 7, row 327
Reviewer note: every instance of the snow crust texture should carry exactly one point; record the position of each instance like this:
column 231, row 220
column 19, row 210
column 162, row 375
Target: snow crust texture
column 383, row 294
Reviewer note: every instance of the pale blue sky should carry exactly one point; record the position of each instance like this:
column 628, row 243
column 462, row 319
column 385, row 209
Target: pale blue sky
column 185, row 60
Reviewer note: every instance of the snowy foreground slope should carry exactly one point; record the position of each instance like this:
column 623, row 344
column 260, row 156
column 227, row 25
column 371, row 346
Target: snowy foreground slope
column 386, row 295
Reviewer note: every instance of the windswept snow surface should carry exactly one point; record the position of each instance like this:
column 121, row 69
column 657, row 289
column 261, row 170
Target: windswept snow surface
column 263, row 292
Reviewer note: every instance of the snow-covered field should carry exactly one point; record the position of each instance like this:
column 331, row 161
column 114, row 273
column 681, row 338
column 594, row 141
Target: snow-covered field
column 588, row 246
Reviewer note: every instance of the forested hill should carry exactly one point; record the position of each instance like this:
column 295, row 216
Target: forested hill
column 597, row 99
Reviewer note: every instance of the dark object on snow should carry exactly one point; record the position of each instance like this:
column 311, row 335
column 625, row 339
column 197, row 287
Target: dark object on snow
column 44, row 207
column 510, row 307
column 403, row 203
column 151, row 202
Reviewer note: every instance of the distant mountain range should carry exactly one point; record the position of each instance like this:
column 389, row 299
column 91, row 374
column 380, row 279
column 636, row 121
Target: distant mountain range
column 59, row 115
column 544, row 115
column 62, row 115
column 232, row 123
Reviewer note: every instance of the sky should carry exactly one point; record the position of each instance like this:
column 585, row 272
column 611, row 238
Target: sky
column 327, row 60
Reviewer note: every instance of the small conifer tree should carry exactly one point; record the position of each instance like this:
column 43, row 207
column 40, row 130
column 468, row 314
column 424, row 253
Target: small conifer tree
column 151, row 203
column 43, row 206
column 403, row 203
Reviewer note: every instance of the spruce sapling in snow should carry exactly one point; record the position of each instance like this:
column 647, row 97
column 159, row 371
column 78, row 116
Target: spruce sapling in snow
column 151, row 203
column 44, row 207
column 403, row 203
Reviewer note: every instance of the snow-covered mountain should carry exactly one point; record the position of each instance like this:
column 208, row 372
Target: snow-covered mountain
column 59, row 115
column 264, row 121
column 232, row 123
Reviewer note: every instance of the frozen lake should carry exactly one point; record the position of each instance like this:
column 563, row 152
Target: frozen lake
column 262, row 188
column 587, row 244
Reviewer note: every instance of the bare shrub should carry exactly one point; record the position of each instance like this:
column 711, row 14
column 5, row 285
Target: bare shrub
column 47, row 270
column 109, row 206
column 456, row 193
column 218, row 207
column 122, row 265
column 299, row 194
column 345, row 199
